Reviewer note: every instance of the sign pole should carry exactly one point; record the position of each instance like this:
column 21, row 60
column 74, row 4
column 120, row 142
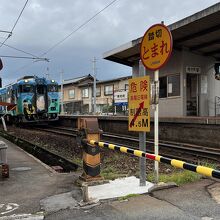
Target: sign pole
column 142, row 140
column 156, row 126
column 155, row 51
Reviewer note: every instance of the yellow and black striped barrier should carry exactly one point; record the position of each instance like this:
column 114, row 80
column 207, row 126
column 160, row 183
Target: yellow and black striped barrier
column 175, row 163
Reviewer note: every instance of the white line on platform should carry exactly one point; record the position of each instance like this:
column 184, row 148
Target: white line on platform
column 38, row 216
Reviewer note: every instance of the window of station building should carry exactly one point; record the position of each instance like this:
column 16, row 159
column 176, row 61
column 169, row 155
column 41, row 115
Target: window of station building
column 71, row 94
column 173, row 85
column 85, row 93
column 98, row 91
column 108, row 90
column 163, row 87
column 169, row 86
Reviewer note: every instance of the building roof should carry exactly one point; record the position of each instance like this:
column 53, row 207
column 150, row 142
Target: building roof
column 76, row 80
column 200, row 33
column 114, row 80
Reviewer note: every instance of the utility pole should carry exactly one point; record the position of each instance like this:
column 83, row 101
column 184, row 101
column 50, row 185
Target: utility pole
column 47, row 73
column 94, row 85
column 61, row 78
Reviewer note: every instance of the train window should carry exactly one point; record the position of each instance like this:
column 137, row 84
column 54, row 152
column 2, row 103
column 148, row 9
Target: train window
column 26, row 88
column 52, row 88
column 40, row 89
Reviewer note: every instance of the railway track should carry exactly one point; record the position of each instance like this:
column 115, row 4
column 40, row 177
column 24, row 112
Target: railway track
column 50, row 158
column 182, row 151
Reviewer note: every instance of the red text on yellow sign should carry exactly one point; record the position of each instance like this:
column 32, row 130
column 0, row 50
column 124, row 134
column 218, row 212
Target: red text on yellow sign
column 139, row 104
column 156, row 47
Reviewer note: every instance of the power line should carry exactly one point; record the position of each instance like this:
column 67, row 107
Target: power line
column 74, row 31
column 79, row 27
column 18, row 50
column 10, row 33
column 5, row 40
column 23, row 67
column 19, row 15
column 22, row 57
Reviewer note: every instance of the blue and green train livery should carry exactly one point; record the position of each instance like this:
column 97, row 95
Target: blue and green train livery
column 36, row 99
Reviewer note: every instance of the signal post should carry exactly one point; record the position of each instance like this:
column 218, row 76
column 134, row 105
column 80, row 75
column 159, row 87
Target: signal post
column 155, row 51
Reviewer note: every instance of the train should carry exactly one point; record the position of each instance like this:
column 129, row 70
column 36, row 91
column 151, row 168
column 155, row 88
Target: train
column 31, row 99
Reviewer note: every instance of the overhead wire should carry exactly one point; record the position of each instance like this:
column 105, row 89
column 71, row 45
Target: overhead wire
column 34, row 57
column 19, row 50
column 19, row 16
column 22, row 57
column 79, row 27
column 10, row 33
column 74, row 31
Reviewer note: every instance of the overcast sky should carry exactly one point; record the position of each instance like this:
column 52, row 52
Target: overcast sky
column 46, row 22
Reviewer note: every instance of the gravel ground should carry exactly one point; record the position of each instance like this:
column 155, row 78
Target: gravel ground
column 111, row 161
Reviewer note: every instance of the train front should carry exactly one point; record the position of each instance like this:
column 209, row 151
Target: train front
column 38, row 99
column 25, row 93
column 53, row 100
column 47, row 99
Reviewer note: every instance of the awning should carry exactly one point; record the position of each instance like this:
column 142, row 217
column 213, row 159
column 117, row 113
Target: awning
column 200, row 33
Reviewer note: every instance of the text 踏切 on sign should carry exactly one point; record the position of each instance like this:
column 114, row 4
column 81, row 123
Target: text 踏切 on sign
column 156, row 47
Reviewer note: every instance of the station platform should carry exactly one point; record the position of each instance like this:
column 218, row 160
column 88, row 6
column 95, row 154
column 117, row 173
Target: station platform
column 36, row 192
column 182, row 119
column 30, row 181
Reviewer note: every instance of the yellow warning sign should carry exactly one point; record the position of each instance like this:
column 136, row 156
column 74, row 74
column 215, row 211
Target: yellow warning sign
column 139, row 104
column 156, row 47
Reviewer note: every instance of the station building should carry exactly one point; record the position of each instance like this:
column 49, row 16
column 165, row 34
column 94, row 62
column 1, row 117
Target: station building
column 187, row 82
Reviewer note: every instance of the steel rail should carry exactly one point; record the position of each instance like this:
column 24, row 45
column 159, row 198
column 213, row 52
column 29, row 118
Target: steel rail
column 192, row 150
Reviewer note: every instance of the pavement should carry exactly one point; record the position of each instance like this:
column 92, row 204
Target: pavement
column 30, row 181
column 35, row 192
column 116, row 188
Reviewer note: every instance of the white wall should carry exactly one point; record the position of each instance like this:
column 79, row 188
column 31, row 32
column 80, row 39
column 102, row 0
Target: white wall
column 172, row 107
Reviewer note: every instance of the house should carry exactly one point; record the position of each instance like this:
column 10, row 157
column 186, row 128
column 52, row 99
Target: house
column 78, row 94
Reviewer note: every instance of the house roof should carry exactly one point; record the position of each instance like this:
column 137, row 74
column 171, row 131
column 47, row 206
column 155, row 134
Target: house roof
column 200, row 33
column 113, row 80
column 77, row 79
